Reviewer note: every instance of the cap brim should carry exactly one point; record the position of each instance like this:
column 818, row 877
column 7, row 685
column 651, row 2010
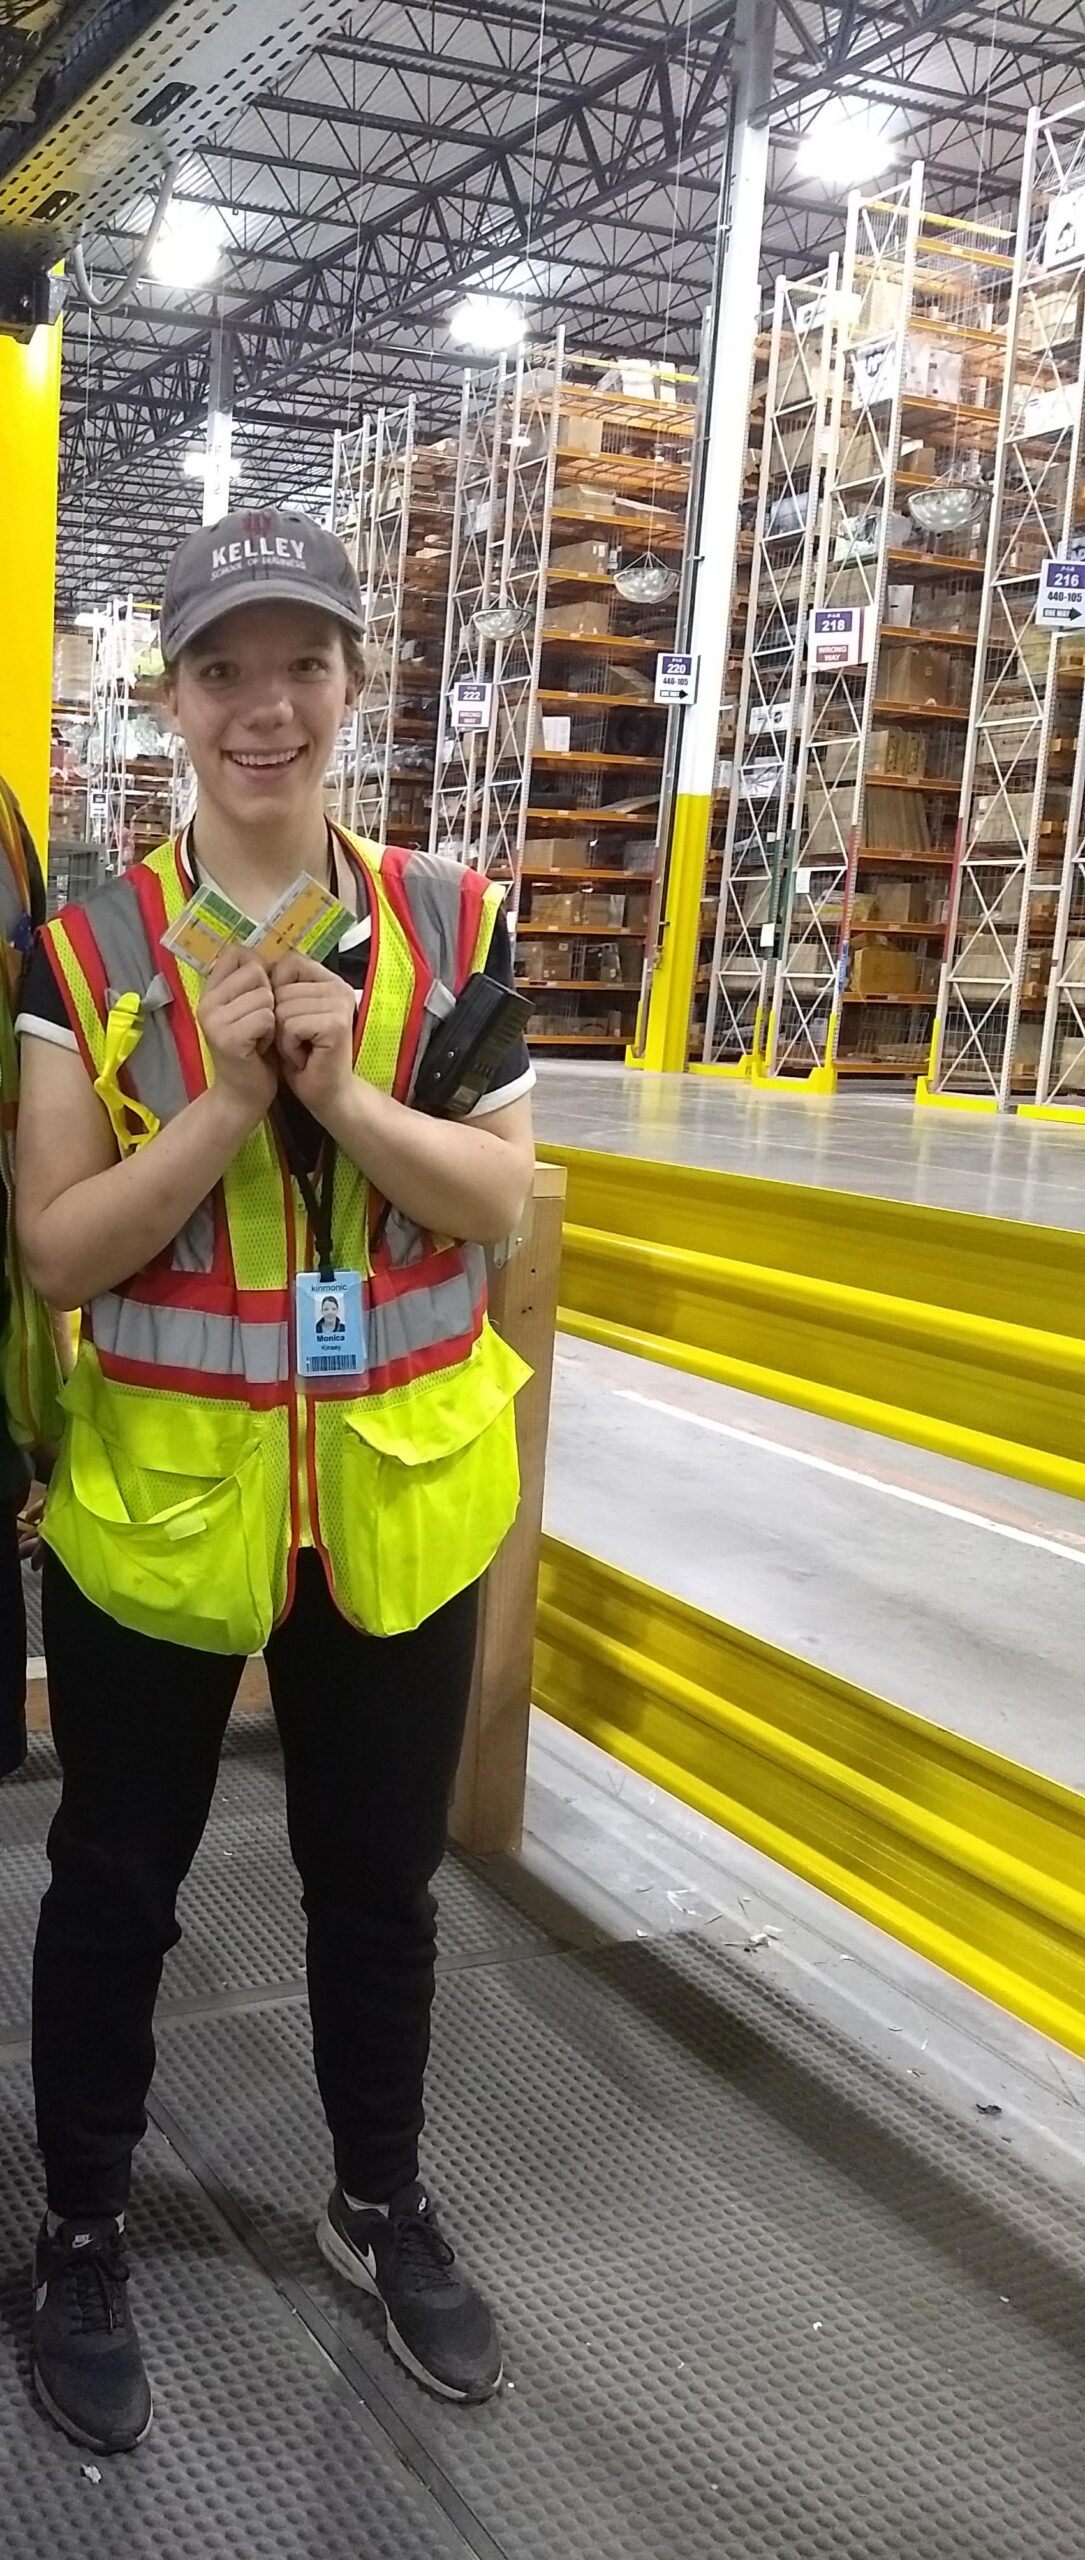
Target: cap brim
column 208, row 609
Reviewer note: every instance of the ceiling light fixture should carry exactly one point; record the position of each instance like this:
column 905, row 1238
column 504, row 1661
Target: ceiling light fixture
column 189, row 247
column 488, row 323
column 847, row 143
column 194, row 464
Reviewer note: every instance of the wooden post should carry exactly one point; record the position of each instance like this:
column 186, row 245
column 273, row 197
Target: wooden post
column 488, row 1805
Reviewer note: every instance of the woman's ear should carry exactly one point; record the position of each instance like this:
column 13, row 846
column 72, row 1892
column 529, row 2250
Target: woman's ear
column 167, row 695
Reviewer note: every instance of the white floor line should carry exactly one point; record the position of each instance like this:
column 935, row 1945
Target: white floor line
column 855, row 1475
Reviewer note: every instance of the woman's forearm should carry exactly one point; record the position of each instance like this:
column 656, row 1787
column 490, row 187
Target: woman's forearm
column 103, row 1230
column 450, row 1178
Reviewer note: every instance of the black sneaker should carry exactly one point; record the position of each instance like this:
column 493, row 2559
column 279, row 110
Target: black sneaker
column 88, row 2370
column 438, row 2326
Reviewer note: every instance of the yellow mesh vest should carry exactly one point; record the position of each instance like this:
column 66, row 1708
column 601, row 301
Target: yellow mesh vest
column 181, row 1513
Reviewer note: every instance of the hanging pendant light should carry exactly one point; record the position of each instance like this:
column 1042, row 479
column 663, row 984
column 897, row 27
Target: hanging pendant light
column 500, row 621
column 952, row 504
column 646, row 580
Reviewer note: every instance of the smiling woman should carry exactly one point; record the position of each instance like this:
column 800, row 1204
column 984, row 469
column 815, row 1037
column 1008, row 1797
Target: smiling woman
column 290, row 1429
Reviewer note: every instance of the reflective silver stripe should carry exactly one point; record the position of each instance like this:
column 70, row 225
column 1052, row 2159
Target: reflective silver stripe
column 131, row 966
column 183, row 1338
column 423, row 1318
column 194, row 1248
column 154, row 1069
column 160, row 1337
column 433, row 887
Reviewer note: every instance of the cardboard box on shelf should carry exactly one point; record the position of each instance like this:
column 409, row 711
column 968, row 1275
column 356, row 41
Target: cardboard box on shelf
column 557, row 853
column 587, row 619
column 602, row 909
column 899, row 902
column 591, row 555
column 1051, row 313
column 864, row 906
column 910, row 672
column 878, row 970
column 543, row 960
column 578, row 433
column 1004, row 817
column 753, row 900
column 561, row 907
column 896, row 821
column 1074, row 963
column 947, row 608
column 1070, row 1063
column 629, row 680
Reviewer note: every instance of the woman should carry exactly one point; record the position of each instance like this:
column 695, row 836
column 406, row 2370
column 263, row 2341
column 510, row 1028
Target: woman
column 29, row 1372
column 199, row 1167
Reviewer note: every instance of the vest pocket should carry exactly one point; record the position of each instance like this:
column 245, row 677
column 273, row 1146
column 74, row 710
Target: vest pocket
column 179, row 1557
column 430, row 1487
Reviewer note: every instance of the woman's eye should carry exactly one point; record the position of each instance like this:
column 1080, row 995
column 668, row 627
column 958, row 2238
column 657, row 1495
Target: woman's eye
column 217, row 671
column 312, row 666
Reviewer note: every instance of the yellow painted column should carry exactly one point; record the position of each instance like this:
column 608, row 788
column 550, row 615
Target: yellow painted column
column 29, row 451
column 666, row 1035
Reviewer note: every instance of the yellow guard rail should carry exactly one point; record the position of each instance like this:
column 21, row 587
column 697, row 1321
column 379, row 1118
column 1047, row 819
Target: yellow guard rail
column 977, row 1863
column 917, row 1323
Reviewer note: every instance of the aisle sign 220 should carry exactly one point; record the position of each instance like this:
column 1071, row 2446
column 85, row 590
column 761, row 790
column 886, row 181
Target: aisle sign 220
column 1060, row 599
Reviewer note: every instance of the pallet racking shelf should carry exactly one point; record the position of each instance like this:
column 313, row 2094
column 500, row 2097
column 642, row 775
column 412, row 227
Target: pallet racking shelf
column 1010, row 1026
column 137, row 777
column 568, row 466
column 753, row 800
column 389, row 505
column 876, row 773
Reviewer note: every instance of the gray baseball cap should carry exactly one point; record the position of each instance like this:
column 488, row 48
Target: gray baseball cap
column 261, row 556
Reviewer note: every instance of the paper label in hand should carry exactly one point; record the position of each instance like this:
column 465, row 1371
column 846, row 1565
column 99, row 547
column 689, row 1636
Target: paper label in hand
column 307, row 919
column 199, row 935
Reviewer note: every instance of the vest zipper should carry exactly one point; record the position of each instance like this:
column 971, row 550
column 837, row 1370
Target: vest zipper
column 303, row 1256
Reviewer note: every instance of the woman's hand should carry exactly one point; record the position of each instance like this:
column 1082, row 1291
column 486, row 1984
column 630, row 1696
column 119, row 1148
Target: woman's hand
column 237, row 1019
column 314, row 1032
column 31, row 1548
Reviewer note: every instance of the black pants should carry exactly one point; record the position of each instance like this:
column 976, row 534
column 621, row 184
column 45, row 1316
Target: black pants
column 371, row 1732
column 12, row 1642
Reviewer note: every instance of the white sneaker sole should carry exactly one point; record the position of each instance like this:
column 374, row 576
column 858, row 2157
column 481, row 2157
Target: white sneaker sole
column 78, row 2435
column 345, row 2262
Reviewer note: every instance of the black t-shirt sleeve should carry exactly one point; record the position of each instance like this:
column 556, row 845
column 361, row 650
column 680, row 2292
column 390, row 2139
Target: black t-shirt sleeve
column 514, row 1074
column 40, row 995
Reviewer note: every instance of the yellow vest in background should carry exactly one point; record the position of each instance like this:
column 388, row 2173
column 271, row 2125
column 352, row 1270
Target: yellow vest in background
column 194, row 1464
column 29, row 1368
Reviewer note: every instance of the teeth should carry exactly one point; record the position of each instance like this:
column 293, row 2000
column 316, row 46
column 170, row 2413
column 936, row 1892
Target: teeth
column 263, row 763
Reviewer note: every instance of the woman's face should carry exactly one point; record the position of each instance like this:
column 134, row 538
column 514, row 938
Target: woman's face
column 259, row 699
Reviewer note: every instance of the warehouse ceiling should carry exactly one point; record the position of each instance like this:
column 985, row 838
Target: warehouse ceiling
column 572, row 154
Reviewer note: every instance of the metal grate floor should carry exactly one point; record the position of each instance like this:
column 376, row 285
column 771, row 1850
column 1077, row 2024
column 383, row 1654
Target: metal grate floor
column 761, row 2297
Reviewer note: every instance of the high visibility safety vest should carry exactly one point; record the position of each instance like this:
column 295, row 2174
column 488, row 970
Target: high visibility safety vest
column 194, row 1465
column 29, row 1368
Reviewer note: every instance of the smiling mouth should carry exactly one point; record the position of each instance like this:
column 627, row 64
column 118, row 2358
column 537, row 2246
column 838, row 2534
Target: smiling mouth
column 276, row 763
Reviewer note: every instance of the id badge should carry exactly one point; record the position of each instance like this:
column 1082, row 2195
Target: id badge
column 330, row 1325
